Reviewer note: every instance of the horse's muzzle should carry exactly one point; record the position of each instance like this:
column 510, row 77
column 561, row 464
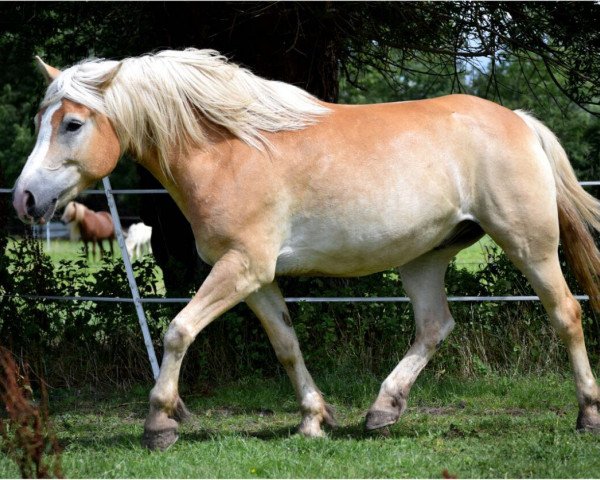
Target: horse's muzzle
column 31, row 211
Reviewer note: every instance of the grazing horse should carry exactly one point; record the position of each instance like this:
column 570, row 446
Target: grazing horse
column 275, row 182
column 138, row 240
column 89, row 226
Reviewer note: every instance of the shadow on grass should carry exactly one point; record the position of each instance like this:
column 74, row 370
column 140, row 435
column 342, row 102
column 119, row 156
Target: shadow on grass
column 132, row 440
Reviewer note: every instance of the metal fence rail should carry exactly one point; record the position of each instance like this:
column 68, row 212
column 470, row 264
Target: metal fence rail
column 154, row 300
column 160, row 300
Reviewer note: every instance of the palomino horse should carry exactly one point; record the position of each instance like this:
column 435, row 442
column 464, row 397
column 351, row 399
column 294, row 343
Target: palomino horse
column 275, row 182
column 89, row 226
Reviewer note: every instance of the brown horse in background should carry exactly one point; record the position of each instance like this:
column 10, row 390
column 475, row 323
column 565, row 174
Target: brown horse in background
column 89, row 226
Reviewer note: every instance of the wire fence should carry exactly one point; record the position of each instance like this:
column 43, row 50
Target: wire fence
column 183, row 300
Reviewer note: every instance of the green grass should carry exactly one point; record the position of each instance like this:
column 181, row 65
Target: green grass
column 473, row 257
column 66, row 250
column 470, row 258
column 491, row 427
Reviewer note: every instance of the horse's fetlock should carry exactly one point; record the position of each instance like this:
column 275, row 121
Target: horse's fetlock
column 312, row 404
column 160, row 401
column 399, row 401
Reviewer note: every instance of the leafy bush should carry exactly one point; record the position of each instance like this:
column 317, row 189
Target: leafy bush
column 81, row 340
column 84, row 341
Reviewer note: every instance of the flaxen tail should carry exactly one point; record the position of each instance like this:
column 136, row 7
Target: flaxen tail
column 578, row 213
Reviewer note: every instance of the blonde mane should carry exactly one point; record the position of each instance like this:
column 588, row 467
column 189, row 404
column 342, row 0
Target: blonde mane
column 164, row 102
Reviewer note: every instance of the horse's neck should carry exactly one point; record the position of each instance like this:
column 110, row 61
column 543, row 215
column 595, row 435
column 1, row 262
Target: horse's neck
column 80, row 211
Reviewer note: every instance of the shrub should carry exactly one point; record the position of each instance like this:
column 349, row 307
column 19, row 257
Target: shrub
column 100, row 343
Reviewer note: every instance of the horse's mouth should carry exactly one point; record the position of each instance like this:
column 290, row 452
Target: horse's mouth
column 39, row 216
column 45, row 218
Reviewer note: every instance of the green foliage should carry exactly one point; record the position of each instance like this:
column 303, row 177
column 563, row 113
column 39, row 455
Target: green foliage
column 71, row 340
column 16, row 136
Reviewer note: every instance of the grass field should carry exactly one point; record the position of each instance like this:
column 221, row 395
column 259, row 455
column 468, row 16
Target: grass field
column 470, row 258
column 66, row 250
column 491, row 427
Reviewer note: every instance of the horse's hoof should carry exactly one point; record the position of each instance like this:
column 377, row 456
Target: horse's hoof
column 159, row 440
column 588, row 422
column 377, row 419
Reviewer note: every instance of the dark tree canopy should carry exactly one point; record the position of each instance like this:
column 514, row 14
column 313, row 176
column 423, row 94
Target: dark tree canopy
column 307, row 43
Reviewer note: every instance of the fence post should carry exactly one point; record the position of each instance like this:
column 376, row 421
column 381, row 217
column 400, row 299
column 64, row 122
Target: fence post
column 130, row 277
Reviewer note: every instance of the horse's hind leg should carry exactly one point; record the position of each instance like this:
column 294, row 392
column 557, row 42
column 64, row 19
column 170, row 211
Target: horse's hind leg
column 530, row 238
column 546, row 278
column 269, row 306
column 423, row 280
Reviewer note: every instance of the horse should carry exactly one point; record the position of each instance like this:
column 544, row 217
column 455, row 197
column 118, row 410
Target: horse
column 275, row 182
column 89, row 226
column 138, row 240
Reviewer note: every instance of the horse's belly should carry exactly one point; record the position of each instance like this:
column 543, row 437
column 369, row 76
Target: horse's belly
column 340, row 250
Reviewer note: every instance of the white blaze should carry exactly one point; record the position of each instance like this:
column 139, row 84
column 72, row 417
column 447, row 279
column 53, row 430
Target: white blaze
column 43, row 141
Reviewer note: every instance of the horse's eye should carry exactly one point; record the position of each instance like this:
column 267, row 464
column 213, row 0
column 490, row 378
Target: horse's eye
column 73, row 126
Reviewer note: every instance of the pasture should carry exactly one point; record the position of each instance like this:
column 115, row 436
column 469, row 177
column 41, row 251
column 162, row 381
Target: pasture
column 490, row 427
column 470, row 258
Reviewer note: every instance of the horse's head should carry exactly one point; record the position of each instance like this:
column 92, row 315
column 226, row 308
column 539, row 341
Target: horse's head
column 75, row 147
column 70, row 213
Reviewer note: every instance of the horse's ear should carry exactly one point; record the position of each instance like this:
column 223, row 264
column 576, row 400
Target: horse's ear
column 109, row 77
column 50, row 73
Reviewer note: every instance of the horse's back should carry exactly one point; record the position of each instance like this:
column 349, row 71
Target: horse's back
column 104, row 225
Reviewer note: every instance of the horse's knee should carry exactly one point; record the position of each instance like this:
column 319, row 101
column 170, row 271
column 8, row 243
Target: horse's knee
column 177, row 338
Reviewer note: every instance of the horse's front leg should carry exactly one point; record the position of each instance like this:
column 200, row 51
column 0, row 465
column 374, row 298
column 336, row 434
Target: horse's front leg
column 269, row 306
column 231, row 280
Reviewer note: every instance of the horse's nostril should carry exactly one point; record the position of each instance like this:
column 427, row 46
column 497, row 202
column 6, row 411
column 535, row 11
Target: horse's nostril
column 29, row 202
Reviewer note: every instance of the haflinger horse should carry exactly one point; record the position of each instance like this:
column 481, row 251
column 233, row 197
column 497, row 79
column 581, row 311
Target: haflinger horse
column 89, row 226
column 275, row 182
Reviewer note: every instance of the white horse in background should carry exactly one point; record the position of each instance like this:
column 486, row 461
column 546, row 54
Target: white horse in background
column 138, row 240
